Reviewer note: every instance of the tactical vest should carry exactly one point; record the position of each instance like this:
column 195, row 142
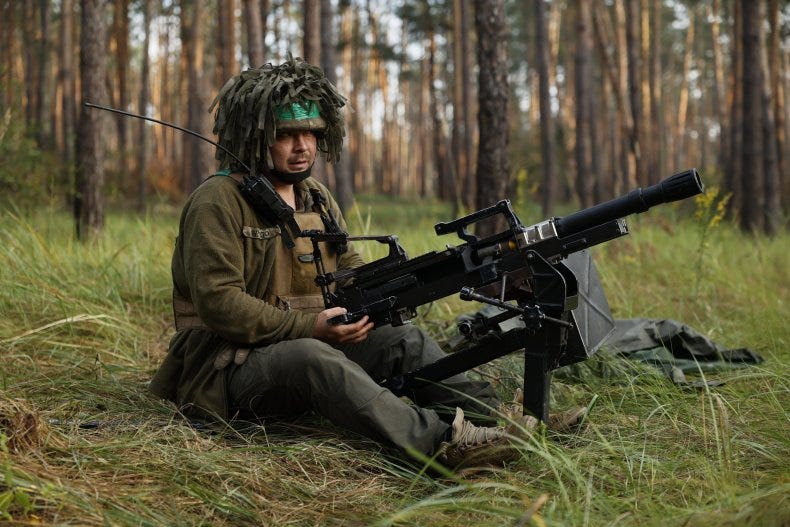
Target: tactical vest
column 292, row 283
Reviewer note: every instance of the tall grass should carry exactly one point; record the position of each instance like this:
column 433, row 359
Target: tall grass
column 83, row 327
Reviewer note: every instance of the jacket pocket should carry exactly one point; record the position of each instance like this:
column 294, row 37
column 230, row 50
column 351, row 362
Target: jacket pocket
column 304, row 303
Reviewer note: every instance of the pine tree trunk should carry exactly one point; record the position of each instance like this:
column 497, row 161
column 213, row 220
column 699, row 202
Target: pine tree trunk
column 596, row 104
column 121, row 37
column 312, row 31
column 621, row 117
column 720, row 88
column 633, row 45
column 311, row 44
column 493, row 165
column 424, row 161
column 377, row 82
column 646, row 141
column 458, row 139
column 68, row 84
column 344, row 171
column 255, row 35
column 752, row 217
column 773, row 187
column 145, row 97
column 583, row 85
column 681, row 146
column 89, row 198
column 469, row 110
column 163, row 134
column 43, row 133
column 226, row 42
column 446, row 187
column 546, row 119
column 629, row 177
column 338, row 174
column 28, row 48
column 658, row 168
column 733, row 157
column 266, row 7
column 775, row 72
column 361, row 168
column 198, row 158
column 563, row 148
column 8, row 12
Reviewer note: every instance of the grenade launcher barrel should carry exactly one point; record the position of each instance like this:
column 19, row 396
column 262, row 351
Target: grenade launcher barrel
column 674, row 188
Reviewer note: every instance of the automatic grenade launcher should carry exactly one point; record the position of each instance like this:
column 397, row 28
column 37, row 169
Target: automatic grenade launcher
column 531, row 273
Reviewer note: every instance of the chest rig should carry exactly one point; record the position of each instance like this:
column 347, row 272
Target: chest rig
column 292, row 283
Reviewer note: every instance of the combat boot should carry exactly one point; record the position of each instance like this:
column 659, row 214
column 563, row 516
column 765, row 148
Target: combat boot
column 558, row 422
column 483, row 445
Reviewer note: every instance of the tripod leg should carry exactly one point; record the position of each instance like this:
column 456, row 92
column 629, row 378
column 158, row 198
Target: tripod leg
column 543, row 349
column 537, row 381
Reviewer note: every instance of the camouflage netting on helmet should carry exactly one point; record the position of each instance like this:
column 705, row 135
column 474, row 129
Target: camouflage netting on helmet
column 245, row 121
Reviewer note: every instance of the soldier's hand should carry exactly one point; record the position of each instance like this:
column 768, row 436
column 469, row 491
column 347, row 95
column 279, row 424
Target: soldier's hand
column 340, row 333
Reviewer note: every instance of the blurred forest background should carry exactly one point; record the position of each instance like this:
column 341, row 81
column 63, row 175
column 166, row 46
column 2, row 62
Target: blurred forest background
column 456, row 105
column 469, row 102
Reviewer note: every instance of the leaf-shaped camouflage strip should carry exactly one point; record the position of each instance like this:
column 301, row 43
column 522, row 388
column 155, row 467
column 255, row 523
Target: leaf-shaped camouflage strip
column 245, row 116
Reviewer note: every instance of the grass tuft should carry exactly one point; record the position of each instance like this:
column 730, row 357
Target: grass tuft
column 83, row 328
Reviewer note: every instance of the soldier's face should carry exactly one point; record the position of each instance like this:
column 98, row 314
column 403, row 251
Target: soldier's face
column 294, row 151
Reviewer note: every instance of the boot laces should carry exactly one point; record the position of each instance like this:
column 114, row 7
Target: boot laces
column 466, row 434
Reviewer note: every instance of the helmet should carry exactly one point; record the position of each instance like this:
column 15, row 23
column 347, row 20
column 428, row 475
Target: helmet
column 300, row 116
column 255, row 104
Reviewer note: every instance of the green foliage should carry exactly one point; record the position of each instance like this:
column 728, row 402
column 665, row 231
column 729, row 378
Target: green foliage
column 710, row 210
column 14, row 501
column 82, row 328
column 27, row 175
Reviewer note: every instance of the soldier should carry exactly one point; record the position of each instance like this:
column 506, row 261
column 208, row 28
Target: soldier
column 252, row 336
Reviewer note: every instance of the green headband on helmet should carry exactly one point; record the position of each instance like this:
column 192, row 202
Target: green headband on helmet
column 253, row 105
column 300, row 116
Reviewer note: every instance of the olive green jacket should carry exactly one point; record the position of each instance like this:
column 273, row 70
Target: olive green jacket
column 222, row 264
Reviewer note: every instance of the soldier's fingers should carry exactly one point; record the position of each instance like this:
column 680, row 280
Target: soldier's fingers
column 359, row 324
column 360, row 335
column 364, row 330
column 350, row 329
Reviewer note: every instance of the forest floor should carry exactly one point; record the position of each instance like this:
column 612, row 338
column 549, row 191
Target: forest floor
column 82, row 442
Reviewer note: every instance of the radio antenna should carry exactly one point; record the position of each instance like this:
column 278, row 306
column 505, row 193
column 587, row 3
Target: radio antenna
column 257, row 190
column 171, row 125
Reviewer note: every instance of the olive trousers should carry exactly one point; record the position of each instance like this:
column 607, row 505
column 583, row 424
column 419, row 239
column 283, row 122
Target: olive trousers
column 295, row 376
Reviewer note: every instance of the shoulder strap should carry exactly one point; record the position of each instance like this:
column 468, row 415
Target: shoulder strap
column 330, row 222
column 265, row 201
